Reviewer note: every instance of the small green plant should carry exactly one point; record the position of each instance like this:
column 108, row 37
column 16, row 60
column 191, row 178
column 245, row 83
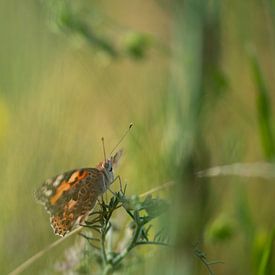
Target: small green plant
column 99, row 229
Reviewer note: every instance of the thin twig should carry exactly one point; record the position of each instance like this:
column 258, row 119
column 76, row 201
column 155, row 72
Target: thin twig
column 88, row 238
column 151, row 243
column 257, row 169
column 158, row 188
column 35, row 257
column 206, row 263
column 207, row 266
column 103, row 251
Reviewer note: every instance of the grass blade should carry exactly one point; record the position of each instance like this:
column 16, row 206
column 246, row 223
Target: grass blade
column 263, row 109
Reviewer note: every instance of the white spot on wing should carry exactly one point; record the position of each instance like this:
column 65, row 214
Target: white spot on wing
column 60, row 177
column 48, row 193
column 48, row 181
column 57, row 181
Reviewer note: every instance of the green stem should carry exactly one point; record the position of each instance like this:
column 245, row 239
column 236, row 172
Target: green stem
column 135, row 238
column 122, row 255
column 108, row 269
column 103, row 251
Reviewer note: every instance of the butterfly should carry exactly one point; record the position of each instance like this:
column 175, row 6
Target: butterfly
column 70, row 196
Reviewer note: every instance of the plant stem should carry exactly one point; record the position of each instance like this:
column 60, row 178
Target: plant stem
column 103, row 251
column 107, row 270
column 132, row 244
column 135, row 238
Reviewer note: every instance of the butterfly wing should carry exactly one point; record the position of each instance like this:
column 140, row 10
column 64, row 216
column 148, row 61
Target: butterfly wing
column 69, row 197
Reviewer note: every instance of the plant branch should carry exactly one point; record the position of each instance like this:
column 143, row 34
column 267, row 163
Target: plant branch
column 103, row 250
column 151, row 243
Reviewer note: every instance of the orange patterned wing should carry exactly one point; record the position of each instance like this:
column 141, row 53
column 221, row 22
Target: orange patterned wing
column 69, row 197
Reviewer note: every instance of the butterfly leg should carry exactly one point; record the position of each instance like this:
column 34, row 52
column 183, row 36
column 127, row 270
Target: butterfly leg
column 111, row 191
column 120, row 185
column 119, row 179
column 105, row 188
column 122, row 190
column 101, row 201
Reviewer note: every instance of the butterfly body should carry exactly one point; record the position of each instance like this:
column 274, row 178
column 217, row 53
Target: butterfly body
column 70, row 197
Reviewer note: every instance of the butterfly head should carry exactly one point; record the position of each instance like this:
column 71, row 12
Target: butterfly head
column 109, row 165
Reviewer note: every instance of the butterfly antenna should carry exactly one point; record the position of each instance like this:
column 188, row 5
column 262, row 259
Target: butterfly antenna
column 123, row 136
column 103, row 146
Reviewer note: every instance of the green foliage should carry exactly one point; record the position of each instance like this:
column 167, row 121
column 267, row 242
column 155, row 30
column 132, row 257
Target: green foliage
column 221, row 229
column 136, row 44
column 140, row 211
column 263, row 252
column 263, row 109
column 66, row 18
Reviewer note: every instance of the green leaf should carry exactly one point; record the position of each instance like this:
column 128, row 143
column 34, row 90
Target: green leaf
column 153, row 207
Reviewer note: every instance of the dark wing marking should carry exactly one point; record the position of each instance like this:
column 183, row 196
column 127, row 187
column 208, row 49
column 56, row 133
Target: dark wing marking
column 69, row 197
column 48, row 189
column 74, row 211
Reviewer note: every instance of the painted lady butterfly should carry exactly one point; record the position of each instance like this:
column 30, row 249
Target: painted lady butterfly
column 70, row 197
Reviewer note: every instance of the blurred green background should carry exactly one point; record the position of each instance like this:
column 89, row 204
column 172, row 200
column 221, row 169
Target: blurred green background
column 195, row 77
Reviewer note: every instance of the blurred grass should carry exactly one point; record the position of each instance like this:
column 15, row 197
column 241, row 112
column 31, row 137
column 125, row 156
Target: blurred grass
column 264, row 110
column 193, row 107
column 266, row 255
